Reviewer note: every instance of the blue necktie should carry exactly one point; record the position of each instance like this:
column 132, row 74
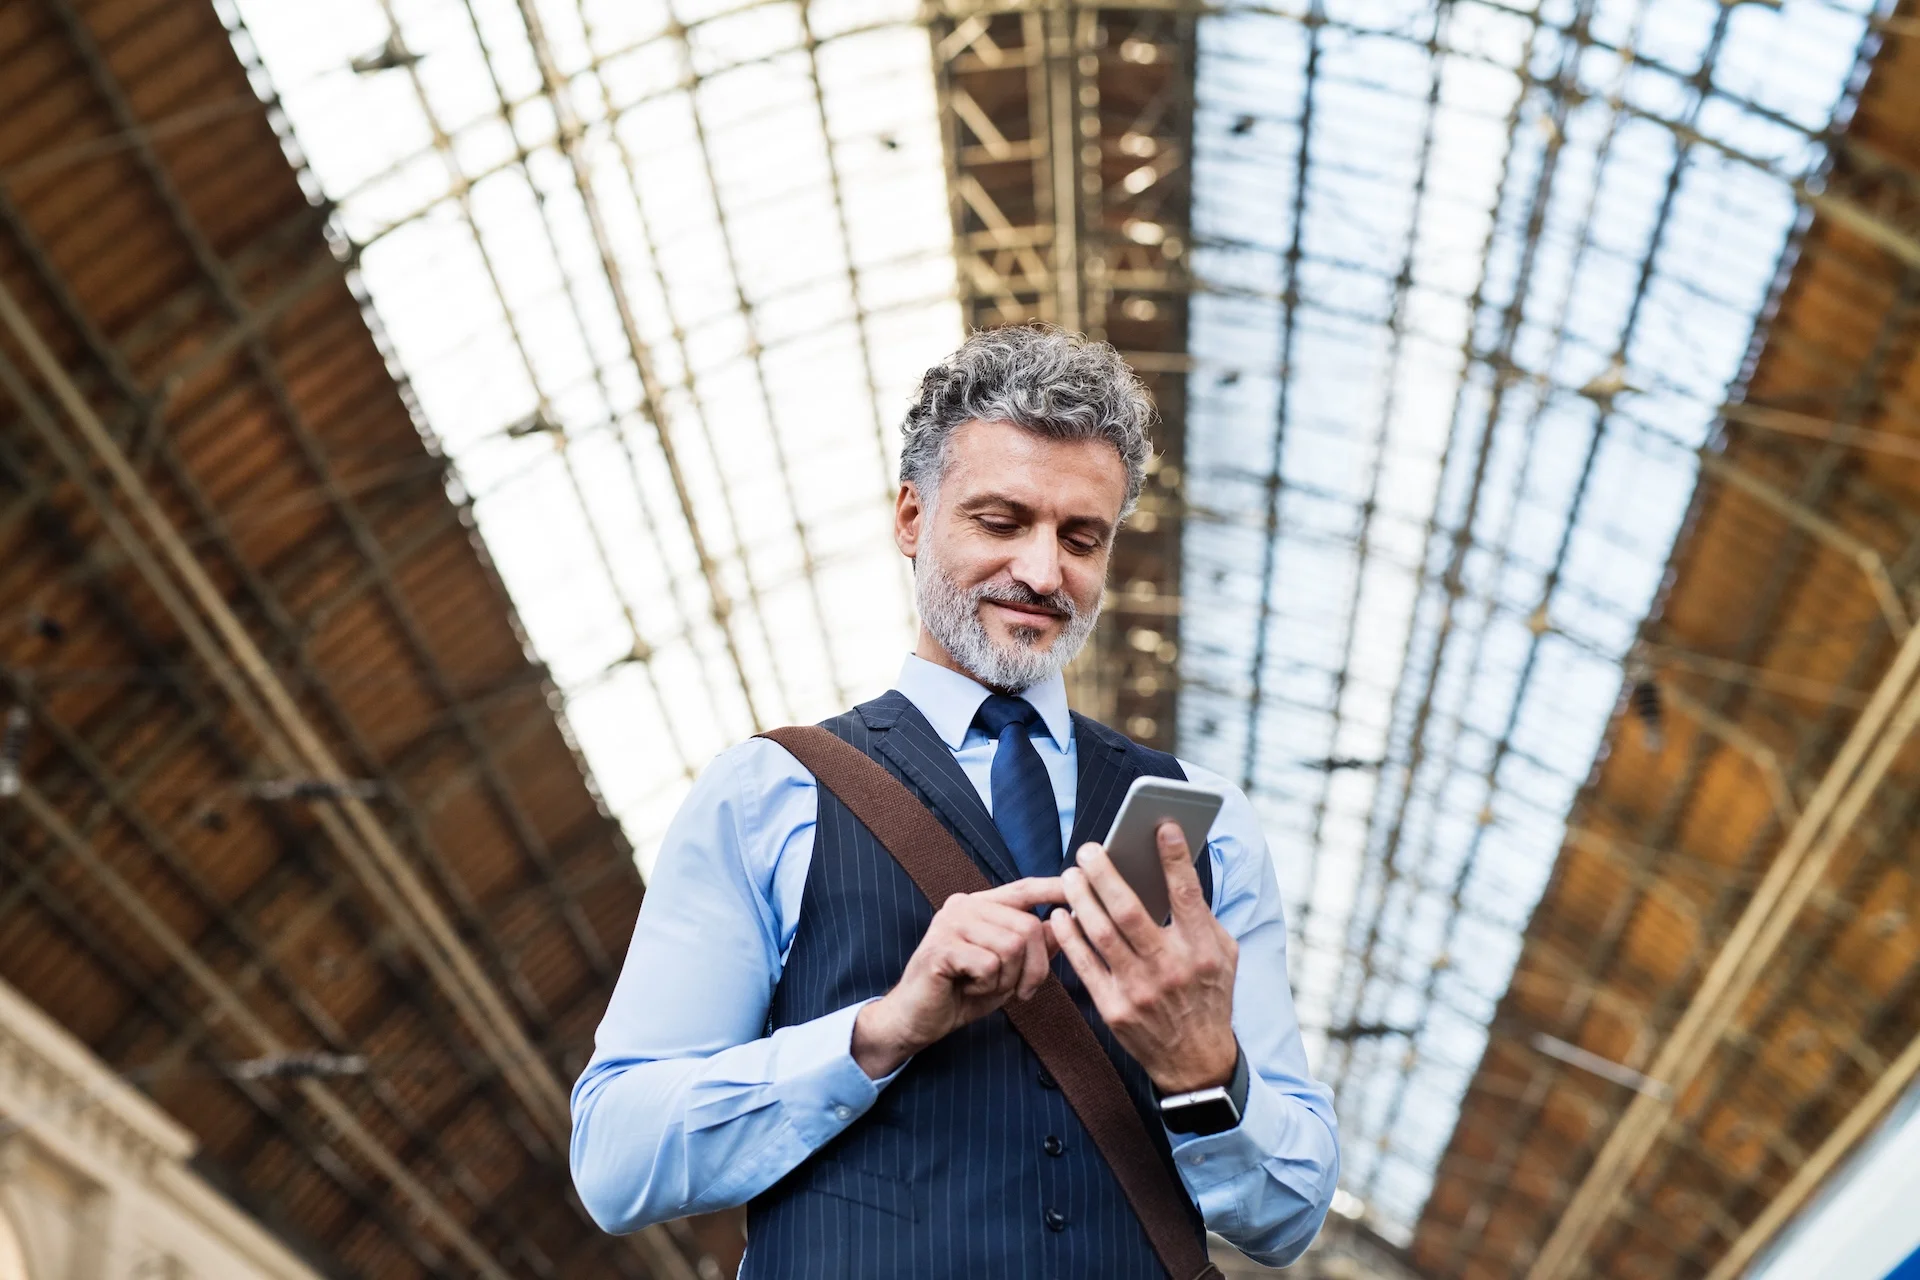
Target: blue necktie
column 1023, row 805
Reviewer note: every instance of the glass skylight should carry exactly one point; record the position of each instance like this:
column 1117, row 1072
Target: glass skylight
column 662, row 275
column 1470, row 295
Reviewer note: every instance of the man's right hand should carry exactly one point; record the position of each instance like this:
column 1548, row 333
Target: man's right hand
column 981, row 950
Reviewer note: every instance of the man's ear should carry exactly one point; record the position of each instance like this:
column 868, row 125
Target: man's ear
column 909, row 520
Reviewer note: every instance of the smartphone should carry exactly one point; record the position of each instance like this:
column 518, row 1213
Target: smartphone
column 1131, row 842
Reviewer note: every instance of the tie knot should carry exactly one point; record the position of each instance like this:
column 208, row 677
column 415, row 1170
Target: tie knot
column 999, row 711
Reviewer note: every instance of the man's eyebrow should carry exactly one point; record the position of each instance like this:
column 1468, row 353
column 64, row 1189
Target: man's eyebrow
column 980, row 501
column 1093, row 524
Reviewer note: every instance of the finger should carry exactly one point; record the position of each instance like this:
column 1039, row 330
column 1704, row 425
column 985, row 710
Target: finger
column 1034, row 963
column 1007, row 917
column 1023, row 895
column 1024, row 923
column 1080, row 954
column 1094, row 922
column 1183, row 882
column 973, row 968
column 1010, row 945
column 1039, row 965
column 1141, row 931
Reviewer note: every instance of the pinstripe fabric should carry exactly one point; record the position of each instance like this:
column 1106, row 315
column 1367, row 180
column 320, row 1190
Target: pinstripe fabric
column 949, row 1174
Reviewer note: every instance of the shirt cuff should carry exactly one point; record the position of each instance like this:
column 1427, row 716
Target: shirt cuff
column 821, row 1088
column 1211, row 1162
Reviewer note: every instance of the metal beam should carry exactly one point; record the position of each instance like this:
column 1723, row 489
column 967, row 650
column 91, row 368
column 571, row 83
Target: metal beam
column 1469, row 447
column 1802, row 976
column 1862, row 381
column 212, row 525
column 1819, row 527
column 1397, row 328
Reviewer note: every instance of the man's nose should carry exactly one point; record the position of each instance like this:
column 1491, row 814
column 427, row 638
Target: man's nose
column 1037, row 566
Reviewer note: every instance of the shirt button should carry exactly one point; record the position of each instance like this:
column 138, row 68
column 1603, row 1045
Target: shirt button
column 1053, row 1146
column 1055, row 1220
column 842, row 1112
column 1196, row 1159
column 1047, row 1081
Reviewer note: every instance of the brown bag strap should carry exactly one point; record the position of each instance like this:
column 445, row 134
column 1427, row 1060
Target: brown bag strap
column 1049, row 1022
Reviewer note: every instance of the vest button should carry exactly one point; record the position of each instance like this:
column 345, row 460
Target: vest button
column 1053, row 1146
column 1047, row 1081
column 1055, row 1220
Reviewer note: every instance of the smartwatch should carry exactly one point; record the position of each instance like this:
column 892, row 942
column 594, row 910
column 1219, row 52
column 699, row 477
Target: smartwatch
column 1208, row 1111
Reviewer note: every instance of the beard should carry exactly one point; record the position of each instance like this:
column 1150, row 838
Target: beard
column 952, row 613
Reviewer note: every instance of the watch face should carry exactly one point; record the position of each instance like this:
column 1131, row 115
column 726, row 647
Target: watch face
column 1214, row 1115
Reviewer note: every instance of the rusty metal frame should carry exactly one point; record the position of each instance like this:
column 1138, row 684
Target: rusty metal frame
column 1052, row 172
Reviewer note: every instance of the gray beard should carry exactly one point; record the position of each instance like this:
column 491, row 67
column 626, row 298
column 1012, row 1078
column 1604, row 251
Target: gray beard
column 952, row 613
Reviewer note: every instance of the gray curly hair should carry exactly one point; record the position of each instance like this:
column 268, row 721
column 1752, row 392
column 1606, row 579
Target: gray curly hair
column 1051, row 382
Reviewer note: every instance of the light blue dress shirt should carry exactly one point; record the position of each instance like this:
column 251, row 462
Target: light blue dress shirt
column 689, row 1106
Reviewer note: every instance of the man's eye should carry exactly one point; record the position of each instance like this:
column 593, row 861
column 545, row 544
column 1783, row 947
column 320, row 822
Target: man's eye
column 1082, row 546
column 999, row 526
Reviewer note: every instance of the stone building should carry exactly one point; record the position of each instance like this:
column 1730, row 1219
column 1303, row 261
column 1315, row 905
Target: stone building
column 94, row 1178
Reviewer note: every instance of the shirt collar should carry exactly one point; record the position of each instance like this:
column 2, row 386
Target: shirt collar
column 950, row 700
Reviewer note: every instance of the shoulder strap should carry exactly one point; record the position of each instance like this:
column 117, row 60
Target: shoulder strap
column 1049, row 1022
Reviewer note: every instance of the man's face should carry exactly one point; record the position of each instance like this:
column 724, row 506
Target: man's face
column 1021, row 528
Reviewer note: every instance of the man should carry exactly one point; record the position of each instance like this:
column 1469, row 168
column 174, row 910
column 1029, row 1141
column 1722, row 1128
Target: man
column 796, row 1029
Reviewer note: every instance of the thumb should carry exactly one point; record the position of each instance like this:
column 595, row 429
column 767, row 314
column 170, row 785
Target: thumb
column 1183, row 882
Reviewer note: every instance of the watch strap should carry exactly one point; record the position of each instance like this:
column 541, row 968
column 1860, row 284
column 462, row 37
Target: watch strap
column 1237, row 1084
column 1183, row 1113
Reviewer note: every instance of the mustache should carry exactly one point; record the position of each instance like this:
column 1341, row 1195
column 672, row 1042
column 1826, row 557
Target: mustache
column 1018, row 593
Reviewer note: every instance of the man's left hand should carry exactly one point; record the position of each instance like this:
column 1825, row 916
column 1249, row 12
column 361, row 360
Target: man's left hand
column 1165, row 991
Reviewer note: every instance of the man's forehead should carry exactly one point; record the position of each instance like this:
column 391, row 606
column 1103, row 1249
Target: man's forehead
column 1005, row 457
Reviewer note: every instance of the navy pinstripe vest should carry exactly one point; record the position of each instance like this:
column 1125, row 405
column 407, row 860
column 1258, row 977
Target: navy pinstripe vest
column 970, row 1164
